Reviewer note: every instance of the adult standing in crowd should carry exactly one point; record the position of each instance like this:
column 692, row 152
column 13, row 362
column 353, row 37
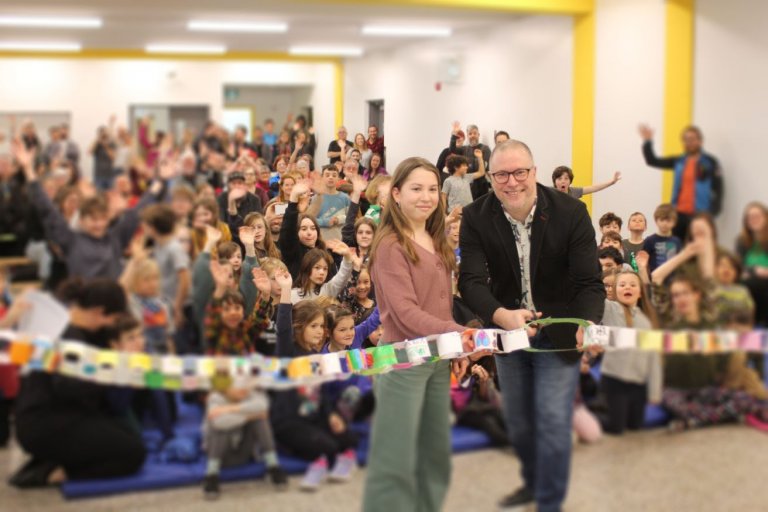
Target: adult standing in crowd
column 339, row 146
column 698, row 185
column 482, row 186
column 529, row 251
column 374, row 142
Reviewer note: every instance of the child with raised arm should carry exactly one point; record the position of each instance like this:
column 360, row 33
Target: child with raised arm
column 562, row 178
column 234, row 410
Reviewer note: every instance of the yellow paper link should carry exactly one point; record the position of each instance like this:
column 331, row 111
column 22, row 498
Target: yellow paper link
column 651, row 340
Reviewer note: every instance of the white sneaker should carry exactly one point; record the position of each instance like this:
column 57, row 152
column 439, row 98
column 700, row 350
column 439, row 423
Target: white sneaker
column 345, row 466
column 316, row 474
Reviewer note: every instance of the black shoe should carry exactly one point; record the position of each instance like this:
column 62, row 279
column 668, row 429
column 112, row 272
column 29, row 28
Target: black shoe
column 33, row 474
column 278, row 477
column 211, row 487
column 517, row 500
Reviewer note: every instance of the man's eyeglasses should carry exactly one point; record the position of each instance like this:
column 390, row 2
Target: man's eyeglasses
column 501, row 177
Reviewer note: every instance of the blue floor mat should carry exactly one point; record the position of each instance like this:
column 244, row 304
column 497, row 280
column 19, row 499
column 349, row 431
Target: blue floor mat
column 161, row 475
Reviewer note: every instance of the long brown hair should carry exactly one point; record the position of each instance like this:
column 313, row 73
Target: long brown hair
column 270, row 250
column 393, row 222
column 303, row 314
column 644, row 303
column 748, row 239
column 319, row 243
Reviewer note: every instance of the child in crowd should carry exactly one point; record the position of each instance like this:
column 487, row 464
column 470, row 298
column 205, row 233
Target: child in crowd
column 231, row 252
column 609, row 281
column 476, row 400
column 630, row 378
column 141, row 281
column 96, row 249
column 182, row 203
column 263, row 244
column 206, row 213
column 634, row 244
column 303, row 422
column 610, row 259
column 361, row 303
column 236, row 416
column 456, row 188
column 734, row 304
column 352, row 397
column 329, row 206
column 299, row 232
column 610, row 222
column 159, row 225
column 377, row 194
column 562, row 178
column 311, row 280
column 662, row 245
column 611, row 239
column 752, row 247
column 453, row 238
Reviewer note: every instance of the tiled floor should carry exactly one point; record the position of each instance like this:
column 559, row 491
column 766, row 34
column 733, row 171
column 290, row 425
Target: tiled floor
column 719, row 469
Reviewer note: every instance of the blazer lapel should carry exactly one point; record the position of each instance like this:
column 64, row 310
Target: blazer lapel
column 507, row 239
column 540, row 223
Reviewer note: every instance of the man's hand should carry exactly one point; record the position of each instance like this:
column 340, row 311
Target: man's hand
column 511, row 319
column 236, row 193
column 455, row 127
column 616, row 177
column 645, row 132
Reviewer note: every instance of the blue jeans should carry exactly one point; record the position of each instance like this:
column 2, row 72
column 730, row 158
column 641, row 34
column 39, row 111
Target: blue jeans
column 538, row 391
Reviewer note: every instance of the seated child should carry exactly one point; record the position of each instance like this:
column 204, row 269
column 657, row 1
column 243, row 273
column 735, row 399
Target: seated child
column 234, row 411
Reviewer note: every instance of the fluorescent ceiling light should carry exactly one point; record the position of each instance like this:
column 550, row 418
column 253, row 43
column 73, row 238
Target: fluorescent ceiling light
column 238, row 26
column 49, row 22
column 24, row 46
column 186, row 48
column 405, row 31
column 336, row 51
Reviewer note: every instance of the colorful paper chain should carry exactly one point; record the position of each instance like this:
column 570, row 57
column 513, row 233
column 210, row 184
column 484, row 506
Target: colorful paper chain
column 76, row 359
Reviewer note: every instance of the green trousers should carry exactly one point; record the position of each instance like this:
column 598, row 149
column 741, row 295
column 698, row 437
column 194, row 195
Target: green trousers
column 409, row 464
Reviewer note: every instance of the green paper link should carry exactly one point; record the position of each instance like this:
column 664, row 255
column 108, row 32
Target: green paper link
column 552, row 321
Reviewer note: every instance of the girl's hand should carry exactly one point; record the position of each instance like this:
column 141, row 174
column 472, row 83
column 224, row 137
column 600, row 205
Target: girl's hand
column 355, row 260
column 459, row 367
column 358, row 183
column 454, row 216
column 478, row 153
column 261, row 281
column 139, row 247
column 455, row 127
column 212, row 235
column 300, row 190
column 480, row 372
column 336, row 423
column 24, row 157
column 220, row 274
column 641, row 258
column 247, row 235
column 283, row 279
column 338, row 247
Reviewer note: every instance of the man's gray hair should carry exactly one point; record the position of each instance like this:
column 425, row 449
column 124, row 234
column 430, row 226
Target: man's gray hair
column 471, row 127
column 510, row 145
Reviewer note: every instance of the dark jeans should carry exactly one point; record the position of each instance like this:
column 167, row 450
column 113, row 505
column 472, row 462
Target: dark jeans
column 626, row 404
column 538, row 390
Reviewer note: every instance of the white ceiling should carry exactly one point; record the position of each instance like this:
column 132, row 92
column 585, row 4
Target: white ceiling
column 133, row 24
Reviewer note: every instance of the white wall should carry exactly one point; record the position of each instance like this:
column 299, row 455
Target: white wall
column 275, row 102
column 629, row 83
column 516, row 77
column 91, row 90
column 730, row 105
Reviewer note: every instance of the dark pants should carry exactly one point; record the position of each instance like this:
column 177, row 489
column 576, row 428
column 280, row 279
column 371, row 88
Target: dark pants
column 626, row 404
column 681, row 226
column 538, row 391
column 91, row 447
column 309, row 440
column 758, row 288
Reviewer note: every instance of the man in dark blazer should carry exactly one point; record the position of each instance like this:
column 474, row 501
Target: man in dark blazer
column 527, row 251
